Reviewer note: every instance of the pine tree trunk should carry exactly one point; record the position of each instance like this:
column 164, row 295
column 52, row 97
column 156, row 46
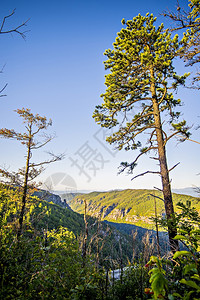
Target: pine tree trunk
column 25, row 187
column 166, row 188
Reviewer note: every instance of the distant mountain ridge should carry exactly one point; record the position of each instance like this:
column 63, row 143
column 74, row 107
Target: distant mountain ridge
column 191, row 191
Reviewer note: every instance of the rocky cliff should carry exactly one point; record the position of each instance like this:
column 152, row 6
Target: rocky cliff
column 56, row 199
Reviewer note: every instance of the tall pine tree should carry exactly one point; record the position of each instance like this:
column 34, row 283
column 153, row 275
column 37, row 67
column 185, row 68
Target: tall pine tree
column 141, row 81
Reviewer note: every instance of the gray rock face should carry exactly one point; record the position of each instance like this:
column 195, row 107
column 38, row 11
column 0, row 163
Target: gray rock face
column 56, row 199
column 108, row 210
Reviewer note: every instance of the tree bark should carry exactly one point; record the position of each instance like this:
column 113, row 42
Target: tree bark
column 25, row 186
column 164, row 172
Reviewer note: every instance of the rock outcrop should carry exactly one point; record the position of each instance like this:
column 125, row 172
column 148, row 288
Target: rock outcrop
column 56, row 199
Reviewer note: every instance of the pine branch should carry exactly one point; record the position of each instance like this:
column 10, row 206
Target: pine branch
column 54, row 159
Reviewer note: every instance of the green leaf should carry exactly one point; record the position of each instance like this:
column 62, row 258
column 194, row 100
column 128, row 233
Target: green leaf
column 195, row 231
column 158, row 284
column 180, row 237
column 190, row 267
column 196, row 276
column 181, row 253
column 191, row 284
column 183, row 231
column 177, row 295
column 171, row 297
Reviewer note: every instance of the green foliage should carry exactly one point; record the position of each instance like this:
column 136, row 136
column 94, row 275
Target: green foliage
column 141, row 71
column 34, row 125
column 59, row 268
column 46, row 261
column 39, row 214
column 42, row 215
column 186, row 217
column 190, row 260
column 90, row 287
column 141, row 80
column 131, row 287
column 158, row 279
column 190, row 50
column 188, row 20
column 48, row 264
column 41, row 265
column 183, row 276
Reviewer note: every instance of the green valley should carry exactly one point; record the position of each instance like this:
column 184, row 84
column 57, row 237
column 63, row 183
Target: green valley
column 43, row 216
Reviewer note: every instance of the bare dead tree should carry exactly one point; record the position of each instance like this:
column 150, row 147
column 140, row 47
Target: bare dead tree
column 19, row 30
column 134, row 235
column 121, row 261
column 85, row 237
column 148, row 247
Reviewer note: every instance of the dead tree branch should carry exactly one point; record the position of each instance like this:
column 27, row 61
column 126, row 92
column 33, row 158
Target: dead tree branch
column 16, row 29
column 157, row 197
column 174, row 166
column 147, row 172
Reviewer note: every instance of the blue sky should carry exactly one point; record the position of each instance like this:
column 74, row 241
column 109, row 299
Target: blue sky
column 58, row 72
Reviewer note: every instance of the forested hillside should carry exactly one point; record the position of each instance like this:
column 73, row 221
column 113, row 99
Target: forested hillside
column 42, row 215
column 64, row 255
column 129, row 206
column 55, row 242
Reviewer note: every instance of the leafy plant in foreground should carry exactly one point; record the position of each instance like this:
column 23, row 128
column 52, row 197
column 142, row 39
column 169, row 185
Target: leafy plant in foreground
column 181, row 274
